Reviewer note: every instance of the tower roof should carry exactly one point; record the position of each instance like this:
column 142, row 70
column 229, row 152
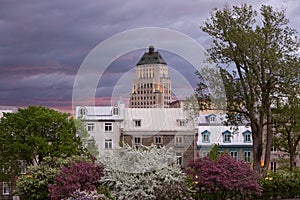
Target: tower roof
column 151, row 57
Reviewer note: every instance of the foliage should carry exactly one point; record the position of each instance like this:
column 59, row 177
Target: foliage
column 223, row 178
column 36, row 132
column 34, row 185
column 31, row 134
column 84, row 195
column 261, row 59
column 143, row 173
column 287, row 126
column 283, row 184
column 88, row 142
column 83, row 176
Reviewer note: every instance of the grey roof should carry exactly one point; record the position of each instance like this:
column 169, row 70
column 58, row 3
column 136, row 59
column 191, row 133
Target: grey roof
column 151, row 57
column 157, row 120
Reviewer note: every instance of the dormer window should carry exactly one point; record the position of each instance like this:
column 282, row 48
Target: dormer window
column 137, row 123
column 247, row 136
column 211, row 118
column 238, row 118
column 181, row 122
column 115, row 111
column 205, row 136
column 82, row 111
column 226, row 137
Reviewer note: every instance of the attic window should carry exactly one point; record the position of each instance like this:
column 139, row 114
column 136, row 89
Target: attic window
column 82, row 111
column 181, row 122
column 211, row 118
column 137, row 123
column 115, row 111
column 247, row 136
column 227, row 137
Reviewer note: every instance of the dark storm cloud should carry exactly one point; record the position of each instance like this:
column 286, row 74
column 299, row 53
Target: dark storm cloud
column 43, row 43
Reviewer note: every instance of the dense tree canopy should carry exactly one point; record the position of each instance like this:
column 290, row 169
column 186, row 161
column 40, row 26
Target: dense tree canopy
column 257, row 53
column 287, row 126
column 30, row 135
column 35, row 132
column 35, row 185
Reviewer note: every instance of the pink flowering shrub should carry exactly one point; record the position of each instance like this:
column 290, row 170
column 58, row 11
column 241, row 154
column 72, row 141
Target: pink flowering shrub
column 82, row 176
column 223, row 178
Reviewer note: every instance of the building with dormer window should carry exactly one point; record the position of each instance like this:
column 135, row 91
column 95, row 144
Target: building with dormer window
column 236, row 140
column 104, row 124
column 168, row 127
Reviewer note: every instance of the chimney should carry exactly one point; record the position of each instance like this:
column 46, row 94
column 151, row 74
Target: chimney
column 151, row 49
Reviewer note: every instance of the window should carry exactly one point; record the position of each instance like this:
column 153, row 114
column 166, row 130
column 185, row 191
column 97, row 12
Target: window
column 178, row 140
column 247, row 137
column 158, row 140
column 247, row 156
column 137, row 141
column 82, row 111
column 227, row 137
column 108, row 144
column 5, row 188
column 204, row 154
column 179, row 158
column 115, row 111
column 137, row 123
column 22, row 164
column 181, row 122
column 211, row 118
column 90, row 126
column 6, row 167
column 273, row 149
column 108, row 127
column 234, row 154
column 205, row 136
column 273, row 166
column 238, row 118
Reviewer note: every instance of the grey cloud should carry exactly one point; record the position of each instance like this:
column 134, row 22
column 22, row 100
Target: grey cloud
column 43, row 43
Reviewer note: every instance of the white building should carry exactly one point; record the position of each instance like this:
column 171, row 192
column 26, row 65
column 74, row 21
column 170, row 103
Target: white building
column 169, row 127
column 237, row 140
column 111, row 126
column 4, row 111
column 104, row 124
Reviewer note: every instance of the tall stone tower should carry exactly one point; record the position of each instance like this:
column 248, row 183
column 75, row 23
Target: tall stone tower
column 152, row 86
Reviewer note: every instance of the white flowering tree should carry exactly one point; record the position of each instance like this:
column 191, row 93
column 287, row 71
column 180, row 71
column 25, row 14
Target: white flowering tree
column 143, row 173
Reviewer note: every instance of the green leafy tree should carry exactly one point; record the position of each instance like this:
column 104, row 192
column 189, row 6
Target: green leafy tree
column 31, row 134
column 88, row 142
column 287, row 126
column 35, row 184
column 257, row 56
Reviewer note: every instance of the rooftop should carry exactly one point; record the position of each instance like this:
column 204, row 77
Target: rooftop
column 151, row 57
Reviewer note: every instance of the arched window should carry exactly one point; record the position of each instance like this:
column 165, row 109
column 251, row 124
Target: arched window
column 82, row 111
column 115, row 111
column 205, row 136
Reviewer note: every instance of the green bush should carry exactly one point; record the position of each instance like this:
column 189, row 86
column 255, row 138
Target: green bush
column 281, row 184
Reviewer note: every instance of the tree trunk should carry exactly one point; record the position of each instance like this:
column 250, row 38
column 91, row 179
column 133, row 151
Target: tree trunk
column 257, row 147
column 292, row 161
column 269, row 137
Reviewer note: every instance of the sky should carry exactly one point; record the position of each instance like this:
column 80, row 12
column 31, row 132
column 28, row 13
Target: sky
column 44, row 43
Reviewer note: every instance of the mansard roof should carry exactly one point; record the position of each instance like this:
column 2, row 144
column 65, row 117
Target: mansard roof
column 151, row 57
